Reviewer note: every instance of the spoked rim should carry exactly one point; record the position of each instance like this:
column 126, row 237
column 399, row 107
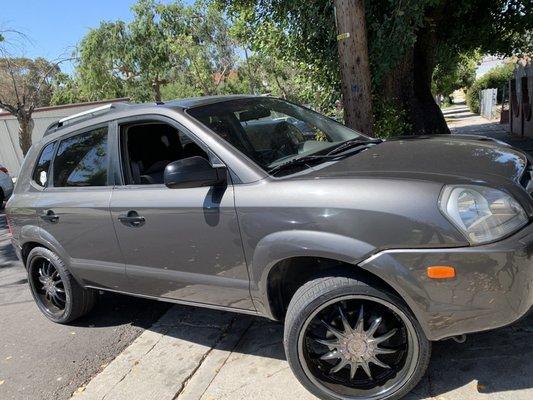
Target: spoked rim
column 48, row 286
column 358, row 346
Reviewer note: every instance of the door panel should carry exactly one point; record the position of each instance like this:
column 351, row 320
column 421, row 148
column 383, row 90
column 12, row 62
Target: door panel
column 187, row 245
column 74, row 207
column 81, row 223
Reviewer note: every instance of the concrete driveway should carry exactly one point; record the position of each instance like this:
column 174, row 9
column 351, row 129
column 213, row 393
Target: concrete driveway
column 193, row 353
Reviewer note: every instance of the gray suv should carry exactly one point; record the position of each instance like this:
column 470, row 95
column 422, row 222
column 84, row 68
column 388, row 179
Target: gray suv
column 368, row 250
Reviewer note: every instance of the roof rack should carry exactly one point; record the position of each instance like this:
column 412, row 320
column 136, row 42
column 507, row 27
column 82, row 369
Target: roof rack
column 83, row 116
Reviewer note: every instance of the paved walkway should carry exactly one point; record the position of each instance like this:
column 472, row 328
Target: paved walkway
column 463, row 122
column 194, row 353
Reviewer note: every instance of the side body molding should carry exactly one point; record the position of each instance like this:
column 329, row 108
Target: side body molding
column 283, row 245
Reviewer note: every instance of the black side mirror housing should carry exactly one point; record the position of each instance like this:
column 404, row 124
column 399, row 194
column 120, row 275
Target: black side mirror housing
column 193, row 172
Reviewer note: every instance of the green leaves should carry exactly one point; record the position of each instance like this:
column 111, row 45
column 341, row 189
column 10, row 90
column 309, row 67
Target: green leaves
column 497, row 78
column 164, row 44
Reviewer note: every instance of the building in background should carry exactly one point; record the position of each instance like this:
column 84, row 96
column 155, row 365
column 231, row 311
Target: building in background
column 520, row 95
column 10, row 152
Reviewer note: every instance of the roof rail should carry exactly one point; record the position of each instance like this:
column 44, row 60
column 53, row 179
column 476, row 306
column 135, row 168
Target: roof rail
column 83, row 116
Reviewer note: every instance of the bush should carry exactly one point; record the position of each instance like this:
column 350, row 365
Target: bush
column 389, row 121
column 497, row 78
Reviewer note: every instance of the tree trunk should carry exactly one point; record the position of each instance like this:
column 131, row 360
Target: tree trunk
column 156, row 89
column 354, row 64
column 26, row 124
column 408, row 86
column 251, row 77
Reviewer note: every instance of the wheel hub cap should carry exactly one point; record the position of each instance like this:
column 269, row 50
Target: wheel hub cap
column 356, row 347
column 50, row 285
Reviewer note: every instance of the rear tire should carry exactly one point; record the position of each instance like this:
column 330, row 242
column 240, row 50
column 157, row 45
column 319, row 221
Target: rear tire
column 57, row 294
column 349, row 339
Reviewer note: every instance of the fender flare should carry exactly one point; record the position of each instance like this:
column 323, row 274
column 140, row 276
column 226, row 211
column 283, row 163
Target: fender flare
column 283, row 245
column 35, row 234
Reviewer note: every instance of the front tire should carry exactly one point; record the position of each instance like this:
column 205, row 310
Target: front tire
column 57, row 294
column 348, row 339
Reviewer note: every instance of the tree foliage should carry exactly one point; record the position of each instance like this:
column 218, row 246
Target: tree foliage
column 496, row 78
column 24, row 85
column 455, row 72
column 26, row 81
column 407, row 41
column 187, row 48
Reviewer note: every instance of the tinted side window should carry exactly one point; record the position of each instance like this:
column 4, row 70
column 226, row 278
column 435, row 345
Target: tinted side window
column 41, row 171
column 81, row 160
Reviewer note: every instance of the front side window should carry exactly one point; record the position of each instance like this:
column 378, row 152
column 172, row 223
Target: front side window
column 148, row 147
column 272, row 131
column 81, row 160
column 41, row 171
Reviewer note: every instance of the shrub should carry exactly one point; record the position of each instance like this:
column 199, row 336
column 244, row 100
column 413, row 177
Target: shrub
column 497, row 77
column 389, row 121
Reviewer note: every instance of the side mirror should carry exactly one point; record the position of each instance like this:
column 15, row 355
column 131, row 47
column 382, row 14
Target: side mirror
column 193, row 172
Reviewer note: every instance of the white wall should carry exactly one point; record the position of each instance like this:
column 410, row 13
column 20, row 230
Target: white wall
column 10, row 153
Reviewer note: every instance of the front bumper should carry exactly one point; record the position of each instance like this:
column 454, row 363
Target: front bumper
column 493, row 286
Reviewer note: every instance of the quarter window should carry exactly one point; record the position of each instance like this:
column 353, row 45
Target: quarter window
column 81, row 160
column 40, row 174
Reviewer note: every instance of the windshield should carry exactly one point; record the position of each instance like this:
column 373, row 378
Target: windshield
column 272, row 131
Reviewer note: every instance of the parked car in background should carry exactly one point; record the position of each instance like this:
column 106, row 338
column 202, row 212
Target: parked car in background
column 6, row 185
column 368, row 250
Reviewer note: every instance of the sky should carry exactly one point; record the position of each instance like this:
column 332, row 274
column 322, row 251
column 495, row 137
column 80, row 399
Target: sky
column 54, row 27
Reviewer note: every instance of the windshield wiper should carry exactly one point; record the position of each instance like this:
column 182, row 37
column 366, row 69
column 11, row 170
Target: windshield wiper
column 352, row 143
column 299, row 161
column 335, row 153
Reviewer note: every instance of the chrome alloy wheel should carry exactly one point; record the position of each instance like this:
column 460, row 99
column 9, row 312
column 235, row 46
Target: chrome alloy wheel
column 358, row 347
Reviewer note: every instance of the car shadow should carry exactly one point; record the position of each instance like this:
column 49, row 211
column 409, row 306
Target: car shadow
column 492, row 362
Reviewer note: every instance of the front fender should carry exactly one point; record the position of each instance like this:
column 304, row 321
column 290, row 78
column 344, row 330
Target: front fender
column 284, row 245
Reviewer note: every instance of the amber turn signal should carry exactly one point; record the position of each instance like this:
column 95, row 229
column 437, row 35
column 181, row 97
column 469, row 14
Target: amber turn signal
column 441, row 272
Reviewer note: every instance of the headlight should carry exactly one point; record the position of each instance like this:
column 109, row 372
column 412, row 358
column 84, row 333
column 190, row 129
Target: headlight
column 482, row 214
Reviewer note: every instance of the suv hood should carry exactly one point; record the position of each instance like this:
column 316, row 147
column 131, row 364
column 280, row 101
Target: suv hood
column 471, row 157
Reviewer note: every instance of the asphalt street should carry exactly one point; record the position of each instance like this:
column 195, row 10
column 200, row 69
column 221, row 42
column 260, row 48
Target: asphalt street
column 43, row 360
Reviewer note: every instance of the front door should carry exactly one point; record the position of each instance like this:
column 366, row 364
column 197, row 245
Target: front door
column 181, row 244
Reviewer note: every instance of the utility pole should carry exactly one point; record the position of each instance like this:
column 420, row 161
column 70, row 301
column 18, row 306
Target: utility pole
column 354, row 64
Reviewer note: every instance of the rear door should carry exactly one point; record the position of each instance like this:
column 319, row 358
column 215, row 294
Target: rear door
column 73, row 207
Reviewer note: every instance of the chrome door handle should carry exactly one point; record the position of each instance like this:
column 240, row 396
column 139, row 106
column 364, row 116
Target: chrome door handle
column 132, row 219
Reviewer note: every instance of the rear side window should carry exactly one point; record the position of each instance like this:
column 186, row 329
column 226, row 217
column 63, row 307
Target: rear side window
column 81, row 160
column 41, row 171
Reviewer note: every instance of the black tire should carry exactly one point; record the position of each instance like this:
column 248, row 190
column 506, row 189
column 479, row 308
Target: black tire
column 306, row 312
column 77, row 300
column 1, row 199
